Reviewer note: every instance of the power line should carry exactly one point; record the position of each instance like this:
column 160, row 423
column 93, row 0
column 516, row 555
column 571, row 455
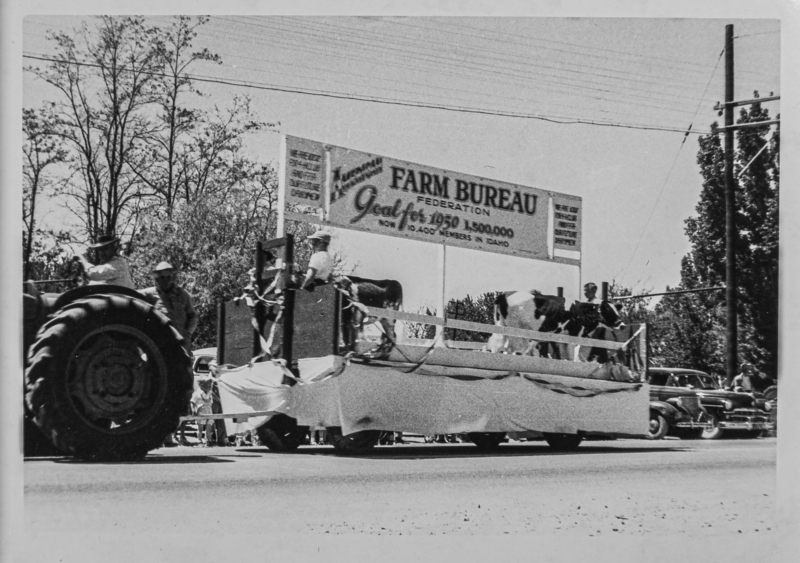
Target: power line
column 388, row 101
column 305, row 48
column 669, row 174
column 428, row 86
column 626, row 53
column 238, row 34
column 491, row 64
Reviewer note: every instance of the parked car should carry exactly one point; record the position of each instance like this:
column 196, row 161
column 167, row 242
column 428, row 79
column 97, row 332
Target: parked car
column 676, row 411
column 201, row 359
column 727, row 410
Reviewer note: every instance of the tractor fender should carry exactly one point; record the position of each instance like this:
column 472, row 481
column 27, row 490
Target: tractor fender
column 97, row 289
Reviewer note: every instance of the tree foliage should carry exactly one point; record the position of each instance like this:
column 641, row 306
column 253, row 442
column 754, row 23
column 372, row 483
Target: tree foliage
column 476, row 310
column 694, row 325
column 106, row 79
column 41, row 150
column 127, row 113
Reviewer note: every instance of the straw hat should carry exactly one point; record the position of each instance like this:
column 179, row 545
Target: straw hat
column 163, row 267
column 321, row 235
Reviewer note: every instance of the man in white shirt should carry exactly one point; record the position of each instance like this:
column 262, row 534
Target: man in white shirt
column 110, row 268
column 320, row 265
column 590, row 292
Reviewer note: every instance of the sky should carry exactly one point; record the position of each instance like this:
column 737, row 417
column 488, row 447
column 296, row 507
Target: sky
column 593, row 107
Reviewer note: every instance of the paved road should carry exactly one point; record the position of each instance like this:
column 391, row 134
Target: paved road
column 181, row 499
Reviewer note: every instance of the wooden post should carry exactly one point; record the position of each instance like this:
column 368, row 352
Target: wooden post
column 560, row 291
column 442, row 301
column 260, row 310
column 730, row 216
column 604, row 295
column 220, row 332
column 288, row 308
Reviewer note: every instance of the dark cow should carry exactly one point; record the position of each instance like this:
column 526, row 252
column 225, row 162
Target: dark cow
column 583, row 320
column 384, row 294
column 521, row 309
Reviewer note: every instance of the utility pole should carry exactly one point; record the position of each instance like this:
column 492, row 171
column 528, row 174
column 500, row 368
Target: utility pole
column 731, row 363
column 731, row 234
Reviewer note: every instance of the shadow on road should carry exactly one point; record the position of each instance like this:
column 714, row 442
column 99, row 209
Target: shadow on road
column 406, row 451
column 468, row 451
column 151, row 459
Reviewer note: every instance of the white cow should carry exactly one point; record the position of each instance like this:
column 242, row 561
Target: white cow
column 521, row 309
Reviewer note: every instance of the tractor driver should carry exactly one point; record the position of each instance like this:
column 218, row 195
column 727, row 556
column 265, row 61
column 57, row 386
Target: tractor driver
column 110, row 267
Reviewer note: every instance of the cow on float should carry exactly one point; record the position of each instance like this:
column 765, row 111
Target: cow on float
column 521, row 309
column 533, row 310
column 362, row 292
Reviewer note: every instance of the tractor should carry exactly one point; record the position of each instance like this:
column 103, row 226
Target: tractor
column 107, row 376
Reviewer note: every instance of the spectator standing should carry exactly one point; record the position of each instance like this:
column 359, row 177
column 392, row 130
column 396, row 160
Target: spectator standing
column 110, row 267
column 174, row 302
column 201, row 402
column 751, row 380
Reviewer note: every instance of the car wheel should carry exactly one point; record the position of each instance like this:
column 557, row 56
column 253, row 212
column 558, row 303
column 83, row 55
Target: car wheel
column 563, row 442
column 715, row 432
column 487, row 440
column 658, row 426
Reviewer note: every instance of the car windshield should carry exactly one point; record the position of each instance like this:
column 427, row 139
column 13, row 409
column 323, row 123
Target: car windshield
column 658, row 378
column 707, row 382
column 203, row 364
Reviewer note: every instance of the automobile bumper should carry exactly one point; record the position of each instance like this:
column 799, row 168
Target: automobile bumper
column 691, row 424
column 747, row 425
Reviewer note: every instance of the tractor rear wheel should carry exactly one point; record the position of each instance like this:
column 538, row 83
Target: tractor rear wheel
column 108, row 378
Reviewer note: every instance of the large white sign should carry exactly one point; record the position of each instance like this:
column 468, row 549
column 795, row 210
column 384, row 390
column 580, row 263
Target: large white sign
column 357, row 190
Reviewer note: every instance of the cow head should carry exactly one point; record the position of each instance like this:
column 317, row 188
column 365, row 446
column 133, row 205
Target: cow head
column 609, row 313
column 500, row 308
column 346, row 286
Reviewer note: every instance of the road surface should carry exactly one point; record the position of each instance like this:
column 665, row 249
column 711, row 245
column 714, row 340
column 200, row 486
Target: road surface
column 226, row 504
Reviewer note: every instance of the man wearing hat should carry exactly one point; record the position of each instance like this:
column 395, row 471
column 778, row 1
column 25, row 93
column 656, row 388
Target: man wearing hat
column 173, row 301
column 110, row 268
column 320, row 265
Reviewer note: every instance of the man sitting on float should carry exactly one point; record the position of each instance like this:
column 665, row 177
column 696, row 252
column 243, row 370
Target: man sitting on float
column 320, row 265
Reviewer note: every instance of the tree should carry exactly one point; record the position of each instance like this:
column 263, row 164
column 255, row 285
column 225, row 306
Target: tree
column 106, row 80
column 50, row 259
column 192, row 152
column 479, row 310
column 159, row 163
column 40, row 151
column 697, row 321
column 211, row 242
